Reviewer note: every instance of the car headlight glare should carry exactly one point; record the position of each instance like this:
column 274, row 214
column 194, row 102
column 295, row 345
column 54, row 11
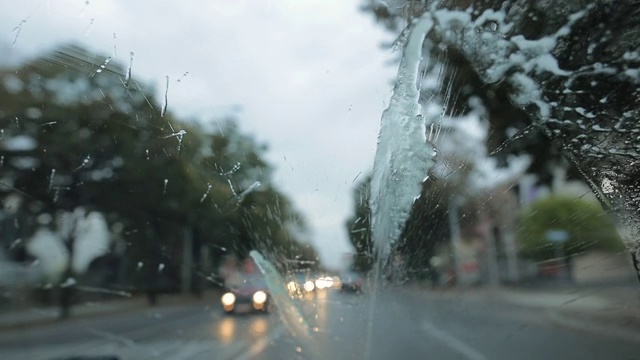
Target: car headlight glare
column 259, row 297
column 228, row 299
column 309, row 286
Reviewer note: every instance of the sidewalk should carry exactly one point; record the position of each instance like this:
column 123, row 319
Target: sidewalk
column 613, row 311
column 45, row 315
column 604, row 309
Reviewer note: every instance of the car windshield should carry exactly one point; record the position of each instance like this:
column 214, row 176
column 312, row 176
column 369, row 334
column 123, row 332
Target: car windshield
column 382, row 178
column 247, row 281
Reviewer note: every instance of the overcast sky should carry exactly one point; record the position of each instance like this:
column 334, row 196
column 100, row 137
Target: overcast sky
column 310, row 76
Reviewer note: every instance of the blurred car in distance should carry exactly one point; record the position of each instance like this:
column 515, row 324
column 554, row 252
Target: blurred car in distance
column 351, row 282
column 324, row 282
column 300, row 285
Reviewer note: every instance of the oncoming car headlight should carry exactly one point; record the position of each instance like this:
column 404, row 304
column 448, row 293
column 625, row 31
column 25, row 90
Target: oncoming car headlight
column 309, row 286
column 292, row 287
column 228, row 299
column 259, row 297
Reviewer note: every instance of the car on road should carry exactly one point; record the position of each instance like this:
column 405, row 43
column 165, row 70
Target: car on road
column 246, row 294
column 351, row 282
column 300, row 285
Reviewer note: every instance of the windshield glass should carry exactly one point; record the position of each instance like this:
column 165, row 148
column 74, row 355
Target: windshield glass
column 319, row 179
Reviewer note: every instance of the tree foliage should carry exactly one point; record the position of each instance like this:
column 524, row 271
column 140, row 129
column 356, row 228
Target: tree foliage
column 359, row 227
column 78, row 131
column 463, row 86
column 585, row 221
column 427, row 226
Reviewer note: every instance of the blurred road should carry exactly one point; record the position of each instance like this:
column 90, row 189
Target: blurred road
column 407, row 323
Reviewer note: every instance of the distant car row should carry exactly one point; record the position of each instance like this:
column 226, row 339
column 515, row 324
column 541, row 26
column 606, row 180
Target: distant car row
column 352, row 282
column 249, row 292
column 303, row 284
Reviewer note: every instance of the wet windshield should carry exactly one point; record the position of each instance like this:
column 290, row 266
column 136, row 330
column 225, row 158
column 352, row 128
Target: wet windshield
column 319, row 179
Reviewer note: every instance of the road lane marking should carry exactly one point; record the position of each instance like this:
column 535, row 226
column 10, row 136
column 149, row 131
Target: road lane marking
column 107, row 335
column 261, row 344
column 452, row 342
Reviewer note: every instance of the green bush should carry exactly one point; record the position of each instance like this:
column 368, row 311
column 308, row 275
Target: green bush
column 589, row 227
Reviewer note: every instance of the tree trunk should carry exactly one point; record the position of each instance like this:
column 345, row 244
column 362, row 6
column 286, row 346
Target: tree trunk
column 66, row 296
column 187, row 261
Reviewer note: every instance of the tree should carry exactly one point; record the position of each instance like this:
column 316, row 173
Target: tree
column 461, row 89
column 426, row 227
column 359, row 227
column 252, row 213
column 588, row 226
column 79, row 132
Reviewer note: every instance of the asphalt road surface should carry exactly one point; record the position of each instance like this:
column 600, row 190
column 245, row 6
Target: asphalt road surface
column 400, row 323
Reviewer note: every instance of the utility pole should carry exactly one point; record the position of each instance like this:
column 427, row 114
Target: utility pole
column 493, row 273
column 485, row 228
column 187, row 260
column 508, row 239
column 205, row 266
column 456, row 241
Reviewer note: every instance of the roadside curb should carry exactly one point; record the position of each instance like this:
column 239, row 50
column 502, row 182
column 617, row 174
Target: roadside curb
column 49, row 320
column 125, row 306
